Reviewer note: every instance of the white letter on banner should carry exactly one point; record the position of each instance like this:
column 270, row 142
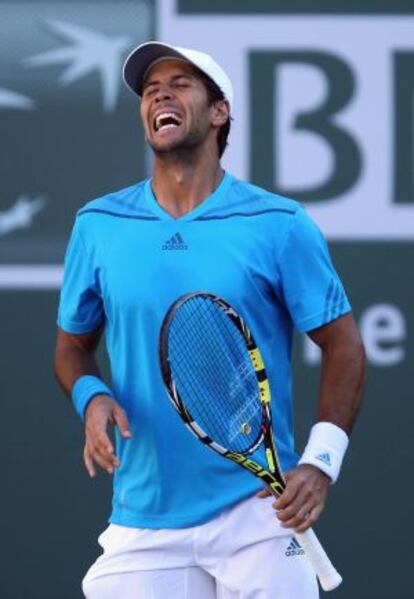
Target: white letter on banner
column 383, row 329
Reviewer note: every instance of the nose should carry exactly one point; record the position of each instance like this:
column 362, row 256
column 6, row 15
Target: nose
column 164, row 93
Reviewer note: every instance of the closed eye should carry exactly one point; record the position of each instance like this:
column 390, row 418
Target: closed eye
column 149, row 91
column 182, row 81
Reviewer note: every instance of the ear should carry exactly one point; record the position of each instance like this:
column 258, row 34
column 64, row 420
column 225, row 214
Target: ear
column 220, row 112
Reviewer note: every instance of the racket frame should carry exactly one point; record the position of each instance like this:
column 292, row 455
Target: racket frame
column 272, row 477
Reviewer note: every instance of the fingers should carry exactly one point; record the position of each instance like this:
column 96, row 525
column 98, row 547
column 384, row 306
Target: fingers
column 122, row 423
column 309, row 519
column 89, row 465
column 289, row 494
column 300, row 518
column 263, row 493
column 303, row 499
column 98, row 446
column 90, row 456
column 99, row 449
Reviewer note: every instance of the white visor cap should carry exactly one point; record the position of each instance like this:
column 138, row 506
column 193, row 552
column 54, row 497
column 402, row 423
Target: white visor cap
column 142, row 57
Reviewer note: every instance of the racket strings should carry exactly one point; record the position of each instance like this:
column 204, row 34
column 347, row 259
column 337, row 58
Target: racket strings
column 214, row 374
column 187, row 354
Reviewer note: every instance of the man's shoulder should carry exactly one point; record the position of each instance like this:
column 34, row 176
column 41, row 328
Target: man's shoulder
column 255, row 199
column 122, row 202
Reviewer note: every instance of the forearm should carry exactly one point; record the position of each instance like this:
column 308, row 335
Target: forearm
column 75, row 357
column 341, row 384
column 71, row 364
column 342, row 372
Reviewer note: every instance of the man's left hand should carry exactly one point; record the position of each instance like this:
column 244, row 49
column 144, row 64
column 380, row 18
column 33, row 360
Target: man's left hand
column 303, row 499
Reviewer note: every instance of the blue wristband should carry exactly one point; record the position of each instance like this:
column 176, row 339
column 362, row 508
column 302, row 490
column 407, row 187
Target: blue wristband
column 85, row 388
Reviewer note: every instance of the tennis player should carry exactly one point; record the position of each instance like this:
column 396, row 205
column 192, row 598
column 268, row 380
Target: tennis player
column 185, row 523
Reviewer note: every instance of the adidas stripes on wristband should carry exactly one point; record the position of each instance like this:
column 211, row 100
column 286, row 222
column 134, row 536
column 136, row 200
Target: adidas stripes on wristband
column 326, row 448
column 84, row 389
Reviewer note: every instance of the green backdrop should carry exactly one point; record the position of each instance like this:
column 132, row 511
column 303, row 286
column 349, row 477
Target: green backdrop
column 65, row 141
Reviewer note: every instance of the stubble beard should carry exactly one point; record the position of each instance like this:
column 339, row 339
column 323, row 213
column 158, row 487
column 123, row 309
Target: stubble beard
column 181, row 149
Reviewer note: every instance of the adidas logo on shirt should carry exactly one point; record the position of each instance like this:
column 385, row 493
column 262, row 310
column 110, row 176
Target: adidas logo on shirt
column 176, row 242
column 294, row 548
column 325, row 458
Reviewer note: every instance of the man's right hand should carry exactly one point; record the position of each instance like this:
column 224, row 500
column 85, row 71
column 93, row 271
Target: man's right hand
column 102, row 411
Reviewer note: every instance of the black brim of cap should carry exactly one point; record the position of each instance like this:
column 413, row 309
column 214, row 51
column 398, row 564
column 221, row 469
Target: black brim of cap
column 140, row 59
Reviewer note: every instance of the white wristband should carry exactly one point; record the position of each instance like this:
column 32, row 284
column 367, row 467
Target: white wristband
column 326, row 448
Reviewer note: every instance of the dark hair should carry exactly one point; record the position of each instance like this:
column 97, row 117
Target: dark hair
column 214, row 94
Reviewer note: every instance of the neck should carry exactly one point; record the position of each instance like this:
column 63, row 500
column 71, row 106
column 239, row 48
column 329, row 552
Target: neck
column 181, row 181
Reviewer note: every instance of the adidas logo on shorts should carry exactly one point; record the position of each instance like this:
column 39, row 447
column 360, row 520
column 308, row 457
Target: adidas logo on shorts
column 294, row 548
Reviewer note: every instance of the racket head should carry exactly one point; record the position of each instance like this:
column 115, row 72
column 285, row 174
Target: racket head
column 214, row 373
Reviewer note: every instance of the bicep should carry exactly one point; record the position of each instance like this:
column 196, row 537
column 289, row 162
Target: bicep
column 85, row 342
column 341, row 331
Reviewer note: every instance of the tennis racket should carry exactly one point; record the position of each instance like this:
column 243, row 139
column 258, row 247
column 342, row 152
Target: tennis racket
column 216, row 379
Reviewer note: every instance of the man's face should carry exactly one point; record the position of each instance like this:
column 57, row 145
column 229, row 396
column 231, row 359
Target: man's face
column 174, row 107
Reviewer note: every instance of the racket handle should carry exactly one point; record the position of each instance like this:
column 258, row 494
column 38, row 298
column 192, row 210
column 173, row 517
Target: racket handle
column 329, row 578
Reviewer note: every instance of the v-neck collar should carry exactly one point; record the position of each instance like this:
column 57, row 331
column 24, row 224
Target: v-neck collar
column 217, row 195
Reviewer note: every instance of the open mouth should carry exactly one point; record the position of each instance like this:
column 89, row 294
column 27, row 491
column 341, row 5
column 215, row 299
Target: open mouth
column 166, row 120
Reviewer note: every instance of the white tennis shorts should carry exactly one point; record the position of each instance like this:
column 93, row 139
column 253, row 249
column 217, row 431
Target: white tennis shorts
column 243, row 553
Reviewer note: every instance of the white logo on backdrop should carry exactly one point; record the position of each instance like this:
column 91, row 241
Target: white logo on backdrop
column 82, row 53
column 11, row 99
column 21, row 214
column 89, row 51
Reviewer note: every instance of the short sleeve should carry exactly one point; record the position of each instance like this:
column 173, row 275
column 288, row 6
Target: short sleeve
column 311, row 288
column 80, row 307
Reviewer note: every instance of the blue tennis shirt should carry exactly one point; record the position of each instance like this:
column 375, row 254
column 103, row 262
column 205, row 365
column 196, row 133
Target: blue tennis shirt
column 127, row 261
